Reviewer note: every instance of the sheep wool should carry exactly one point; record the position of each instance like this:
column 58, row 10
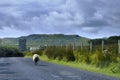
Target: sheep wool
column 35, row 56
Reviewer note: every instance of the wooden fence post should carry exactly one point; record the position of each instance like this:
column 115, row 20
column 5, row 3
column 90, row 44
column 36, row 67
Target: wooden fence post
column 119, row 46
column 0, row 41
column 60, row 42
column 102, row 45
column 46, row 43
column 91, row 46
column 74, row 46
column 81, row 45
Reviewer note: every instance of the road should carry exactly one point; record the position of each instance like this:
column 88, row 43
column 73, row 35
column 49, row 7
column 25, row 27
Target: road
column 24, row 69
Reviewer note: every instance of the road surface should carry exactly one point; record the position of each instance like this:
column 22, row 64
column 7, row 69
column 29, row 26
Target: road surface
column 24, row 69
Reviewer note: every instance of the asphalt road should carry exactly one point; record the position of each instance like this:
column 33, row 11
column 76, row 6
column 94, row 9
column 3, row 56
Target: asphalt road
column 24, row 69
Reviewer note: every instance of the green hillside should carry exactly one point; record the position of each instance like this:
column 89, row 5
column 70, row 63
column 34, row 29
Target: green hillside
column 9, row 41
column 45, row 39
column 109, row 40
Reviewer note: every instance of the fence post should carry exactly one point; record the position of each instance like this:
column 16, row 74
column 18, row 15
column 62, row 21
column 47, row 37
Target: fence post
column 91, row 46
column 102, row 45
column 46, row 43
column 0, row 41
column 81, row 46
column 74, row 46
column 60, row 43
column 119, row 46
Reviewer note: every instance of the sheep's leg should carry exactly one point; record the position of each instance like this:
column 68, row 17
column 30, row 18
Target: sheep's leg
column 36, row 61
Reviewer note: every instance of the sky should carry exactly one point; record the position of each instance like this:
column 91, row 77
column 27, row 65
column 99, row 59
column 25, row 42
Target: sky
column 87, row 18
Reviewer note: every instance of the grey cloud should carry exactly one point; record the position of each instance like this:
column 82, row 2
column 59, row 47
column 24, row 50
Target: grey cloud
column 108, row 11
column 60, row 15
column 11, row 21
column 95, row 23
column 93, row 30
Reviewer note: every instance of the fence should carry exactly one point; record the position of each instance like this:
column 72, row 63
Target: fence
column 112, row 47
column 119, row 46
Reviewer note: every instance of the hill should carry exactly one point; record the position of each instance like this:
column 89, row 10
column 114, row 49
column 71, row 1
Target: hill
column 47, row 39
column 109, row 40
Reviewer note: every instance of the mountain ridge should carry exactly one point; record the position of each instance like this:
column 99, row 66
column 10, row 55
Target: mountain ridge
column 48, row 39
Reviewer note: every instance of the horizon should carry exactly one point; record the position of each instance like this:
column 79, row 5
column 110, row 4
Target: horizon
column 87, row 18
column 59, row 34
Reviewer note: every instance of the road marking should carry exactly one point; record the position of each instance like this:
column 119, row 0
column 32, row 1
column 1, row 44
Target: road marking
column 56, row 76
column 69, row 75
column 66, row 73
column 74, row 76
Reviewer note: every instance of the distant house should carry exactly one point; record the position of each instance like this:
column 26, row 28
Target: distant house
column 34, row 48
column 37, row 48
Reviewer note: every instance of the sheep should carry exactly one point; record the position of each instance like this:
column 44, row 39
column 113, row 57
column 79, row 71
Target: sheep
column 36, row 58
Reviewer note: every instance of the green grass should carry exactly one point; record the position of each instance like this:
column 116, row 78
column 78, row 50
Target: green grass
column 106, row 71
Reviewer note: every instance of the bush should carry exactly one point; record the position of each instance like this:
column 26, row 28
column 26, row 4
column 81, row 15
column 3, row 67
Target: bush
column 10, row 52
column 100, row 60
column 39, row 52
column 96, row 56
column 28, row 54
column 82, row 55
column 60, row 53
column 69, row 55
column 49, row 52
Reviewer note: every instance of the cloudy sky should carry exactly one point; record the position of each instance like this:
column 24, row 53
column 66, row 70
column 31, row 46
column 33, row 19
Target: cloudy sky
column 88, row 18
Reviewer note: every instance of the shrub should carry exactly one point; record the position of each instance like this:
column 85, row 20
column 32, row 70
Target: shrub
column 100, row 60
column 69, row 55
column 82, row 55
column 60, row 53
column 39, row 52
column 49, row 52
column 28, row 54
column 10, row 52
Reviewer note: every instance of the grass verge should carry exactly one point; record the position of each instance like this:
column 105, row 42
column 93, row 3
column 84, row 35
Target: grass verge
column 106, row 71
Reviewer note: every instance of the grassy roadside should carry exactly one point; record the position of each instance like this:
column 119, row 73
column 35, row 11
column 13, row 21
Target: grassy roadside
column 83, row 66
